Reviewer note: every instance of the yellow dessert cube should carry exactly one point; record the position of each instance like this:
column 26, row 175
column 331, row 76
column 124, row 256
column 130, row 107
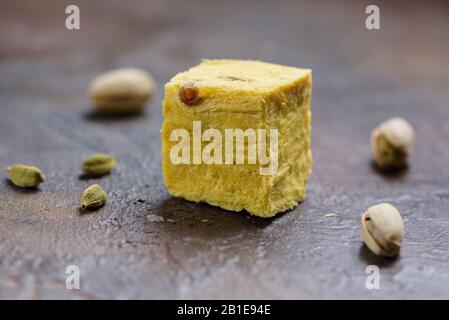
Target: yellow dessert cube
column 236, row 134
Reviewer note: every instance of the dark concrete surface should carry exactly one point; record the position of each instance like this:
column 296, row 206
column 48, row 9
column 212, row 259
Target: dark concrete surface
column 146, row 244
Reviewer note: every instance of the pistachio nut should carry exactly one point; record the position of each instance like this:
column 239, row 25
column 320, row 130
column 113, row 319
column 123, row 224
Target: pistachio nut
column 25, row 176
column 124, row 90
column 391, row 143
column 382, row 230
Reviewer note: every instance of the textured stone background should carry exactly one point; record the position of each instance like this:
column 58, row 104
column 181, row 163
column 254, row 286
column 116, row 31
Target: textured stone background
column 146, row 244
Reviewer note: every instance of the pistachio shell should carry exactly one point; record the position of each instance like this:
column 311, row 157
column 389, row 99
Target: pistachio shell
column 25, row 176
column 123, row 90
column 382, row 229
column 93, row 197
column 391, row 143
column 399, row 132
column 98, row 164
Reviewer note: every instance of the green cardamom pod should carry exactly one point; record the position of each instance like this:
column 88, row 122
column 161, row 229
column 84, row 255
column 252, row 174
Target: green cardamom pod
column 98, row 164
column 93, row 197
column 25, row 176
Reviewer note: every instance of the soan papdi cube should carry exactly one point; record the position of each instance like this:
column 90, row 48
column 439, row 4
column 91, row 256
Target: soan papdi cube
column 236, row 134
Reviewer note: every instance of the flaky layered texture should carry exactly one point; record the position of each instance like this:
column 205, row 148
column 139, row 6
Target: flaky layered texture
column 242, row 95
